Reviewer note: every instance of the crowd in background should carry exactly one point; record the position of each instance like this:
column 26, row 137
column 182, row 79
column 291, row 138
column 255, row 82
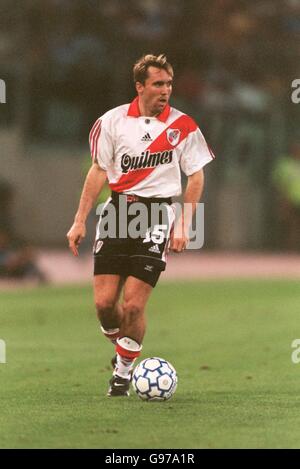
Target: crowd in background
column 79, row 53
column 71, row 60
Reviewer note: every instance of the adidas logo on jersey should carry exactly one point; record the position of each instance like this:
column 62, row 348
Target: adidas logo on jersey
column 149, row 268
column 155, row 249
column 147, row 137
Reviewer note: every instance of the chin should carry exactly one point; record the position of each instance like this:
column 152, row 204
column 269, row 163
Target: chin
column 161, row 107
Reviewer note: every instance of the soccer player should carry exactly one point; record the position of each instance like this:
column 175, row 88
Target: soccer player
column 140, row 148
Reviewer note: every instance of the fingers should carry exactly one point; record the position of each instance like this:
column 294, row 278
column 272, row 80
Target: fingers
column 178, row 245
column 74, row 243
column 73, row 248
column 75, row 235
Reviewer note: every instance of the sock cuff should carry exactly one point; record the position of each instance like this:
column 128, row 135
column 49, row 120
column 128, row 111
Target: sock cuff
column 128, row 348
column 111, row 333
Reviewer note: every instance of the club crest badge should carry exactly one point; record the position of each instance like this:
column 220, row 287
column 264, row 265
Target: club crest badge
column 173, row 136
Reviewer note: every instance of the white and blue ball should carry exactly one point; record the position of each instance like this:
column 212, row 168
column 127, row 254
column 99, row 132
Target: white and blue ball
column 154, row 379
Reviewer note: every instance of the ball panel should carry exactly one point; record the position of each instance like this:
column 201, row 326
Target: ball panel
column 165, row 368
column 153, row 376
column 139, row 371
column 165, row 382
column 142, row 385
column 152, row 364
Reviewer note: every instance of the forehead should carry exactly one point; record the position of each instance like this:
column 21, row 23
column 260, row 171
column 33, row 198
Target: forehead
column 157, row 74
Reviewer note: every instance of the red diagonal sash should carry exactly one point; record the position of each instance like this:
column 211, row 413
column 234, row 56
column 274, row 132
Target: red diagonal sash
column 184, row 123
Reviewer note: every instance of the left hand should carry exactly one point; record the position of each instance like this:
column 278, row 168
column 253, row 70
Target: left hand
column 178, row 244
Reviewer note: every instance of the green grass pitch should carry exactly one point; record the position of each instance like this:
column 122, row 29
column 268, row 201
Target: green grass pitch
column 230, row 342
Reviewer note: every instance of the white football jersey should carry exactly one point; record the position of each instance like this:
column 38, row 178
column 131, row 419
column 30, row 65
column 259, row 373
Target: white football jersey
column 143, row 155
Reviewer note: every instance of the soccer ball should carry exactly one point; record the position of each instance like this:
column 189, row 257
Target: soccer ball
column 154, row 379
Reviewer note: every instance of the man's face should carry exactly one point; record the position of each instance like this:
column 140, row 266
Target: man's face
column 156, row 91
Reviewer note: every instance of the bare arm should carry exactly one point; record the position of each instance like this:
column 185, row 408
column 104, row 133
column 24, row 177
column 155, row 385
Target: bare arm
column 192, row 196
column 93, row 185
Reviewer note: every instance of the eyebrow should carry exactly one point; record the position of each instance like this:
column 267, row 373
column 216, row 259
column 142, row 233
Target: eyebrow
column 162, row 82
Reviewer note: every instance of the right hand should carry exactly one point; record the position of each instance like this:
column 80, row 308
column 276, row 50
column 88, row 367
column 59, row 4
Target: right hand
column 75, row 235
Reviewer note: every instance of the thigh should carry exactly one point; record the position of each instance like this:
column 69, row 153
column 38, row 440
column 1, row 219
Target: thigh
column 136, row 291
column 107, row 288
column 155, row 242
column 149, row 253
column 110, row 251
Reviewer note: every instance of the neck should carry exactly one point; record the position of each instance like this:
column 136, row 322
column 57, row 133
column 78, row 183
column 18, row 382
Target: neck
column 145, row 111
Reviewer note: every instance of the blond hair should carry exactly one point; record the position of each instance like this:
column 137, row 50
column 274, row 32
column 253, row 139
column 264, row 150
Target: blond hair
column 140, row 69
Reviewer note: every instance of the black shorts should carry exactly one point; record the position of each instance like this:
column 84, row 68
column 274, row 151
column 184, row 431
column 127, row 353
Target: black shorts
column 133, row 245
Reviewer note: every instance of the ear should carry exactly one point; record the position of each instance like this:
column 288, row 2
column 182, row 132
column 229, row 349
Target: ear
column 139, row 87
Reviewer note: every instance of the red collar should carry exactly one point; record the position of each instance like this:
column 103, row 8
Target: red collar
column 134, row 110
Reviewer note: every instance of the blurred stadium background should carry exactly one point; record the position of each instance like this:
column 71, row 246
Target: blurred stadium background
column 64, row 63
column 67, row 62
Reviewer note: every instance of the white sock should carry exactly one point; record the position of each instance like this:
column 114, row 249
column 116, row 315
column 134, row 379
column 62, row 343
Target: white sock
column 124, row 365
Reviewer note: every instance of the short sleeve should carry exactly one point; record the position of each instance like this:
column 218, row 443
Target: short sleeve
column 196, row 153
column 101, row 145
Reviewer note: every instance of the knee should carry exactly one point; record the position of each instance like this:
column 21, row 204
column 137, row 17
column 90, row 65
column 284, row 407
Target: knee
column 132, row 310
column 104, row 309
